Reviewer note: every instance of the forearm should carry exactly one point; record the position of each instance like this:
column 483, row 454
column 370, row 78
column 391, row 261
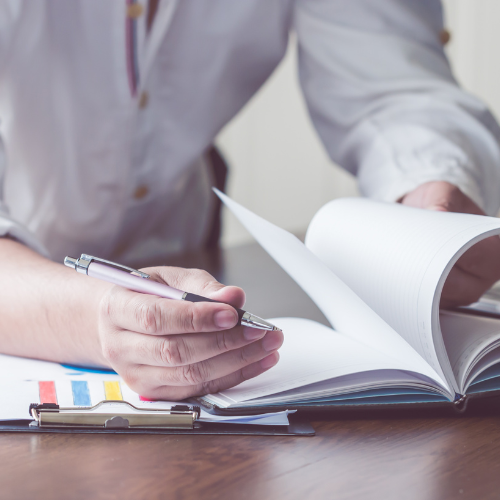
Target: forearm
column 47, row 311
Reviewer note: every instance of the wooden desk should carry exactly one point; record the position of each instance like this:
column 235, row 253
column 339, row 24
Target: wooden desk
column 376, row 457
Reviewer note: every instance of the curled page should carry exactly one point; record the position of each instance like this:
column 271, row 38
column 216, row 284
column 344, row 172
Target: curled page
column 396, row 259
column 343, row 308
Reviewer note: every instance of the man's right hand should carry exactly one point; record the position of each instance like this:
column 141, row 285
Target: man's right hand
column 172, row 350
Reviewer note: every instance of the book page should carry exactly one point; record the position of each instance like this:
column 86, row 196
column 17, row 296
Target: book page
column 343, row 308
column 314, row 353
column 468, row 339
column 396, row 259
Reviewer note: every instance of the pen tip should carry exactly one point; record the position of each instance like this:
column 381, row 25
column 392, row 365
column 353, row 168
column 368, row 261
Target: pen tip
column 276, row 329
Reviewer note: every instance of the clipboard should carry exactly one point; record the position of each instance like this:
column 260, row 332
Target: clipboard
column 104, row 419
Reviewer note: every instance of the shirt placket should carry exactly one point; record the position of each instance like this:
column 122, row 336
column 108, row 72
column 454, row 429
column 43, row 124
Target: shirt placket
column 141, row 49
column 135, row 40
column 134, row 35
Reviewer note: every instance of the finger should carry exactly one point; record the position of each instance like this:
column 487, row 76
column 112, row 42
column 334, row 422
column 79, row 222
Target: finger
column 461, row 288
column 198, row 282
column 441, row 196
column 176, row 350
column 170, row 393
column 148, row 314
column 197, row 374
column 218, row 366
column 483, row 260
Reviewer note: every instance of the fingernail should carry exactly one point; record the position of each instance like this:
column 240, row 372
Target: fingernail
column 225, row 319
column 270, row 361
column 253, row 333
column 272, row 341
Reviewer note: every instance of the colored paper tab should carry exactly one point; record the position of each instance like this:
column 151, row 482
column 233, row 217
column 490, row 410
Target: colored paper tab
column 81, row 394
column 47, row 392
column 113, row 391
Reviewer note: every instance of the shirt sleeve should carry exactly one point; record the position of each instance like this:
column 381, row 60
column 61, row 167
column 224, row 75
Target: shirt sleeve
column 383, row 99
column 10, row 14
column 8, row 226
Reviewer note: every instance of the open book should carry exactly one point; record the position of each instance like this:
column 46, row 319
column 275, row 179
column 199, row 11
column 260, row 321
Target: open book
column 376, row 271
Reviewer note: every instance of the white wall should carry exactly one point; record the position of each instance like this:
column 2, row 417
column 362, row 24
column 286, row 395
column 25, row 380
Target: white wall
column 279, row 168
column 473, row 48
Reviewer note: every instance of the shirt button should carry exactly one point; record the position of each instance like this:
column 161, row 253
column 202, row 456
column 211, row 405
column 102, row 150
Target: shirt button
column 141, row 192
column 143, row 100
column 135, row 10
column 444, row 36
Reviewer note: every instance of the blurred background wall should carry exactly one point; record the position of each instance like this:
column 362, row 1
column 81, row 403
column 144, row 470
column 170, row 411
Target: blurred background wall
column 279, row 168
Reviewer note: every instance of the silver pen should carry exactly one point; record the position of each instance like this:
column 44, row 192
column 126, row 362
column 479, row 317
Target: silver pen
column 139, row 282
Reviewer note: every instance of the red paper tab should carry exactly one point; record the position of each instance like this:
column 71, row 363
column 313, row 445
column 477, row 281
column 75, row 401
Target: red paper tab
column 47, row 392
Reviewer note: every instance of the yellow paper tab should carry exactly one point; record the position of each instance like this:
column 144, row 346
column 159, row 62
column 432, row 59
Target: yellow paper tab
column 113, row 391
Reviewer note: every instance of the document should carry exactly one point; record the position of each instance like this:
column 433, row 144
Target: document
column 25, row 381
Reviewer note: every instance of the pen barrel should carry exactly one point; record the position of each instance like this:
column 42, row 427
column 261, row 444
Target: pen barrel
column 192, row 297
column 134, row 283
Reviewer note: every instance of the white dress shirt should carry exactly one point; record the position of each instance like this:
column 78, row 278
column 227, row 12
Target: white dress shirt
column 104, row 127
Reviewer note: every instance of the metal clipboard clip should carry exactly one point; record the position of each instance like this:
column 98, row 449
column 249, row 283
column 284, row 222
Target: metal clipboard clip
column 113, row 415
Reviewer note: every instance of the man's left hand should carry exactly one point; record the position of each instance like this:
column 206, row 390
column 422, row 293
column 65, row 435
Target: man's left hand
column 479, row 268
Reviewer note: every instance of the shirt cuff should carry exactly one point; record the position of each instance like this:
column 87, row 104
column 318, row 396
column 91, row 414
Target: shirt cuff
column 400, row 185
column 388, row 174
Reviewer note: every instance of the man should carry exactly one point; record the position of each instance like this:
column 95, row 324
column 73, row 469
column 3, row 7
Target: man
column 107, row 110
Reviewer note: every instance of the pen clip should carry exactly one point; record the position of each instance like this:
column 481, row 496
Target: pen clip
column 82, row 264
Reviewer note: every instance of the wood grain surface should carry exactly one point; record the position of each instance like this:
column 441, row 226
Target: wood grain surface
column 379, row 456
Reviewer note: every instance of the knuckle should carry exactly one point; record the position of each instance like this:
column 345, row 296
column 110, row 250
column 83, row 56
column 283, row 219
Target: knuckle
column 193, row 374
column 148, row 317
column 244, row 356
column 173, row 352
column 223, row 342
column 111, row 351
column 191, row 319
